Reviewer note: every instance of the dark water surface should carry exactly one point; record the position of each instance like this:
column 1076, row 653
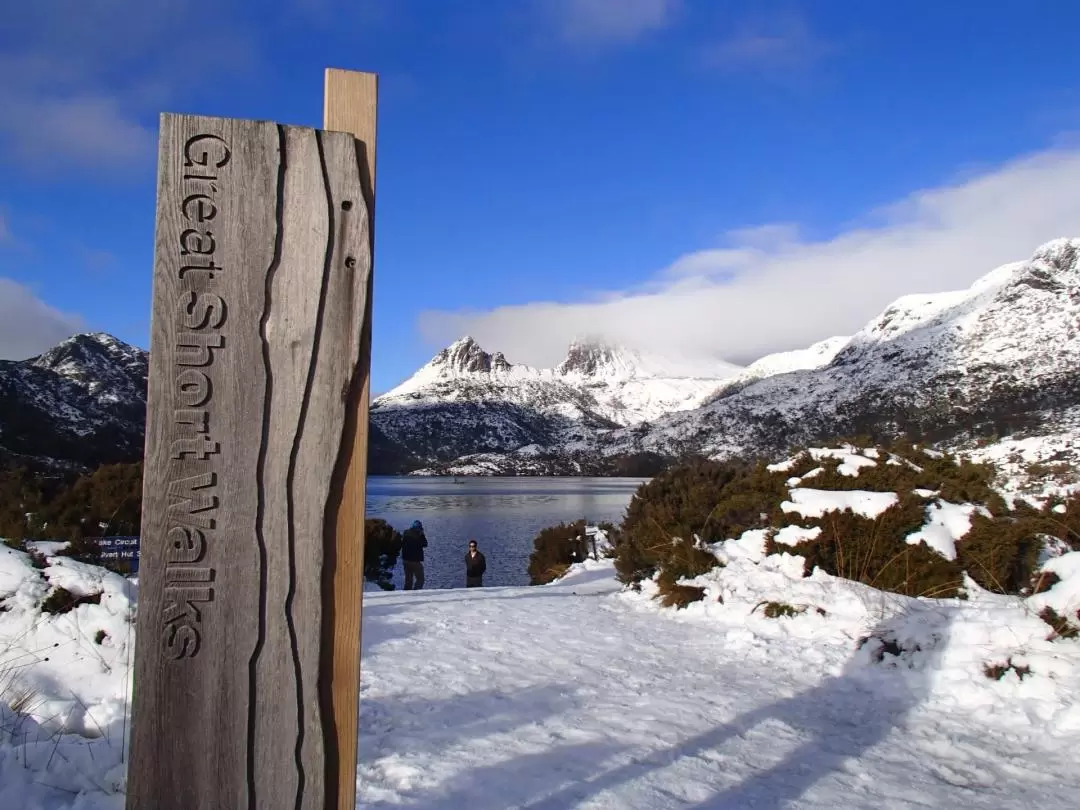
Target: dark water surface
column 502, row 514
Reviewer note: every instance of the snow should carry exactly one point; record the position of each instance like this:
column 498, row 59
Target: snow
column 1064, row 597
column 582, row 694
column 793, row 535
column 65, row 748
column 1011, row 337
column 595, row 388
column 816, row 502
column 784, row 466
column 945, row 524
column 579, row 695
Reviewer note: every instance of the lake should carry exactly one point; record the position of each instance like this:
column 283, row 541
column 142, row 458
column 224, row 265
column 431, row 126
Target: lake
column 503, row 515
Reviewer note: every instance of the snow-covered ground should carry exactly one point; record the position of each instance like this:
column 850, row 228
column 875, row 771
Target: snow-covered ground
column 64, row 684
column 579, row 694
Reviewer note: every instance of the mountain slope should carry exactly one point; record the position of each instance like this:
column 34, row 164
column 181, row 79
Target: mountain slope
column 82, row 403
column 997, row 359
column 467, row 401
column 961, row 368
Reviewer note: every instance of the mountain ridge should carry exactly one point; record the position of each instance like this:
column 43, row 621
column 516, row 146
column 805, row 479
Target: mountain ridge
column 964, row 367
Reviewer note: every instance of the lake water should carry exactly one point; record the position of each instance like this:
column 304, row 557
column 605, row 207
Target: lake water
column 504, row 515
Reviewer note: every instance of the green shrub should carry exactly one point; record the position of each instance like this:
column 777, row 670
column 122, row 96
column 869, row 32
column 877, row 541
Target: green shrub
column 775, row 610
column 998, row 671
column 382, row 546
column 1064, row 525
column 555, row 549
column 875, row 551
column 678, row 596
column 1044, row 581
column 83, row 549
column 1061, row 626
column 956, row 481
column 720, row 500
column 61, row 600
column 712, row 500
column 1002, row 553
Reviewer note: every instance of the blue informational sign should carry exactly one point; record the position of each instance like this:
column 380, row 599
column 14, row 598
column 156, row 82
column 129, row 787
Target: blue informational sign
column 120, row 548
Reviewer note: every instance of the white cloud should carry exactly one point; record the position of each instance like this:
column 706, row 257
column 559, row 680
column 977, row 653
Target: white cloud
column 763, row 294
column 783, row 42
column 613, row 21
column 29, row 326
column 82, row 131
column 84, row 81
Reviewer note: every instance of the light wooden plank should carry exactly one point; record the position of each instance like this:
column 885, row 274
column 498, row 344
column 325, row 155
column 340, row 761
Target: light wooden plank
column 257, row 281
column 350, row 105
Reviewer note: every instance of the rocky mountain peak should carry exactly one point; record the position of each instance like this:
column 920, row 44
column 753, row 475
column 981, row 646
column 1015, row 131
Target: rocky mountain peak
column 591, row 356
column 100, row 364
column 466, row 356
column 81, row 403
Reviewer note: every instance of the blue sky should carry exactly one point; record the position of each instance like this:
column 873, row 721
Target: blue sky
column 714, row 178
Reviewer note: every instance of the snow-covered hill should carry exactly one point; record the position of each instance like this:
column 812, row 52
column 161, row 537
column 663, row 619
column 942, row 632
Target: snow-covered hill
column 998, row 359
column 992, row 369
column 82, row 403
column 996, row 362
column 466, row 400
column 580, row 694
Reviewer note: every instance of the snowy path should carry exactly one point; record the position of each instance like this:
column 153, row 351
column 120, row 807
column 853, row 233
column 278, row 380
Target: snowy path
column 576, row 696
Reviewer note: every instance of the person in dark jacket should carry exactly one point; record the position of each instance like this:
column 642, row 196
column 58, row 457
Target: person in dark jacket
column 475, row 566
column 413, row 543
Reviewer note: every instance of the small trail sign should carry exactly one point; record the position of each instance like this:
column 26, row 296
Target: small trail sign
column 116, row 549
column 258, row 357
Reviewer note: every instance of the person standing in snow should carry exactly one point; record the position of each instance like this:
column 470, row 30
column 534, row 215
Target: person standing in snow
column 475, row 566
column 413, row 543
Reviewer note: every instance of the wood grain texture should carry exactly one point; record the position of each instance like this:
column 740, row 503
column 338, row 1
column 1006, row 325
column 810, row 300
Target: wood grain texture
column 262, row 263
column 350, row 105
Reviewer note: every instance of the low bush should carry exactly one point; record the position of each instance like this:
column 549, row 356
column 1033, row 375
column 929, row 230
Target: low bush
column 555, row 549
column 83, row 549
column 1001, row 553
column 382, row 547
column 707, row 499
column 776, row 610
column 672, row 594
column 1044, row 581
column 998, row 671
column 1060, row 625
column 874, row 551
column 61, row 600
column 714, row 501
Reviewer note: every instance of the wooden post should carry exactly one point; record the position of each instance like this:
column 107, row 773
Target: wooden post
column 259, row 345
column 350, row 104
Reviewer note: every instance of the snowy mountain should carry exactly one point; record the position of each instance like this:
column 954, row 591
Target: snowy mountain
column 963, row 368
column 467, row 401
column 998, row 359
column 81, row 404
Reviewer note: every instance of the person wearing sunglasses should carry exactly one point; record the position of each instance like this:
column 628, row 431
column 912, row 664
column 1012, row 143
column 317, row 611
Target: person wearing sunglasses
column 475, row 566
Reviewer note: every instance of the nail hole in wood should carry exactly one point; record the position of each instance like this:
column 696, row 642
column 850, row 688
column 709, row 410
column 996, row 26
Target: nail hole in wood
column 346, row 205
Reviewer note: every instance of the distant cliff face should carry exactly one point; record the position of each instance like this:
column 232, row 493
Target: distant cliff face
column 80, row 404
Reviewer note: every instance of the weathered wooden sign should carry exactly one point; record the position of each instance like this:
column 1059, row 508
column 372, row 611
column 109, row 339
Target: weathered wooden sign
column 258, row 356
